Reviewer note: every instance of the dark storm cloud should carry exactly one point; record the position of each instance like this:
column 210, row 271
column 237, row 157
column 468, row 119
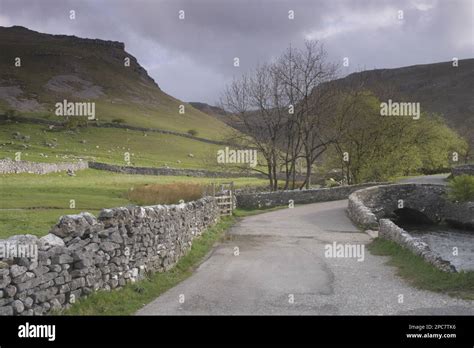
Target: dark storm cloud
column 192, row 59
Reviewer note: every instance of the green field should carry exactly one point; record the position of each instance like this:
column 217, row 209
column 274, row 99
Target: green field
column 106, row 145
column 33, row 203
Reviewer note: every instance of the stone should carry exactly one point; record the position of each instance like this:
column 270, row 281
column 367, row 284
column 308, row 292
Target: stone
column 59, row 281
column 61, row 298
column 28, row 302
column 55, row 304
column 108, row 246
column 44, row 295
column 78, row 283
column 64, row 288
column 46, row 285
column 6, row 310
column 18, row 306
column 38, row 310
column 4, row 280
column 56, row 268
column 16, row 270
column 63, row 258
column 115, row 237
column 51, row 240
column 23, row 278
column 84, row 263
column 50, row 276
column 28, row 284
column 79, row 272
column 71, row 226
column 27, row 262
column 10, row 290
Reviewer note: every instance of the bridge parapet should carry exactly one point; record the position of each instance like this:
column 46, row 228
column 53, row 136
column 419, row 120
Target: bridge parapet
column 369, row 208
column 385, row 201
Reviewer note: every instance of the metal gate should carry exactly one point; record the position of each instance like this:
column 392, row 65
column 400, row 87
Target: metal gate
column 225, row 197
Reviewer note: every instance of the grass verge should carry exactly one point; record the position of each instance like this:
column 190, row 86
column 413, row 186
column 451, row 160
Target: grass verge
column 132, row 297
column 423, row 275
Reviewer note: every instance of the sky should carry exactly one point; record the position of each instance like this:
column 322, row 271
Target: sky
column 193, row 58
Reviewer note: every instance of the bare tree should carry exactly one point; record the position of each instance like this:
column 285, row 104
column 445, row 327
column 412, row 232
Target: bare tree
column 305, row 74
column 284, row 109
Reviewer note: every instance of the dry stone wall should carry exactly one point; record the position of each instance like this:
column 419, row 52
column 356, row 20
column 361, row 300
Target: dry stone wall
column 8, row 166
column 169, row 171
column 83, row 254
column 279, row 198
column 467, row 169
column 388, row 230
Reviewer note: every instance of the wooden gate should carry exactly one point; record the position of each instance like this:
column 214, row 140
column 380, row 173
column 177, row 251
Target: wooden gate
column 225, row 197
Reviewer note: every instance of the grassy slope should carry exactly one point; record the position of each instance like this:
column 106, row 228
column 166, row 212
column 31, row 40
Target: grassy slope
column 153, row 150
column 129, row 93
column 33, row 203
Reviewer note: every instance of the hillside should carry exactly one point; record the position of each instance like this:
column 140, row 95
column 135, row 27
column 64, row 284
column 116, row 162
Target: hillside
column 208, row 109
column 439, row 88
column 58, row 67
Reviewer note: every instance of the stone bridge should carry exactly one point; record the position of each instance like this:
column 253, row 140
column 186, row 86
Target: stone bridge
column 419, row 202
column 372, row 208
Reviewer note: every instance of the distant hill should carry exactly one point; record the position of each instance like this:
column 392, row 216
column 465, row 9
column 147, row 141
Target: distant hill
column 58, row 67
column 439, row 88
column 208, row 109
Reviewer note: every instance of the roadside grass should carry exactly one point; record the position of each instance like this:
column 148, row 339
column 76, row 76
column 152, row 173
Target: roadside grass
column 423, row 275
column 32, row 203
column 133, row 296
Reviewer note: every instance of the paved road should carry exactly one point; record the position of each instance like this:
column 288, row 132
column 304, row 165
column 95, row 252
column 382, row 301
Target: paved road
column 282, row 258
column 438, row 179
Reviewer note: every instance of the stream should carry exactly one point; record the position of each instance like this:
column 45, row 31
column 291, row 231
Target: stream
column 443, row 240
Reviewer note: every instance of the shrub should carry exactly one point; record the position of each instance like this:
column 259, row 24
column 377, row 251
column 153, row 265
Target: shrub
column 76, row 122
column 192, row 132
column 118, row 120
column 166, row 193
column 331, row 183
column 461, row 188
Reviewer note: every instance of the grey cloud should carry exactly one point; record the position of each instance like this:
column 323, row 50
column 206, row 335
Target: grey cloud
column 192, row 59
